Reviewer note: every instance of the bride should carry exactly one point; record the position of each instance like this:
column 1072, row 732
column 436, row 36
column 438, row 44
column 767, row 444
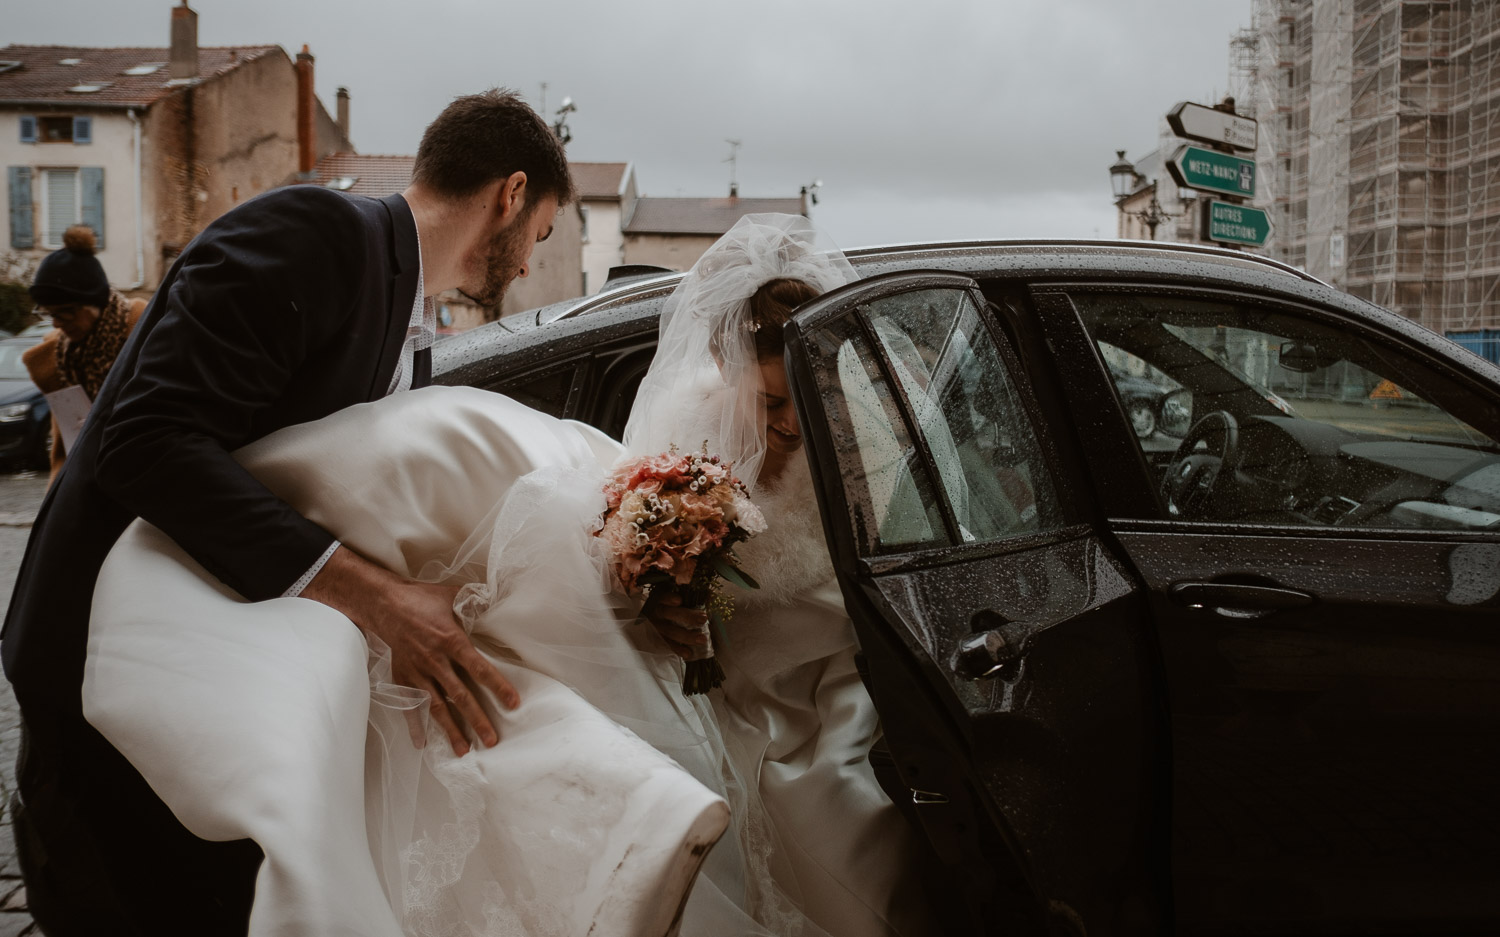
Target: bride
column 612, row 803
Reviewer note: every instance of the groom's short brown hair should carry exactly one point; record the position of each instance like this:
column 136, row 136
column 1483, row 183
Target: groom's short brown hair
column 487, row 136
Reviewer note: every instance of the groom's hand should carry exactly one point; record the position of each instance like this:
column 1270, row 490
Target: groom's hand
column 429, row 648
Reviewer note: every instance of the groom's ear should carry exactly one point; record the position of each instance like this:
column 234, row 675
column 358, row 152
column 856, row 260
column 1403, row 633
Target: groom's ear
column 510, row 201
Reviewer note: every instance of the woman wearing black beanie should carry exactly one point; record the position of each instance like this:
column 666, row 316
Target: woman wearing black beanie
column 91, row 321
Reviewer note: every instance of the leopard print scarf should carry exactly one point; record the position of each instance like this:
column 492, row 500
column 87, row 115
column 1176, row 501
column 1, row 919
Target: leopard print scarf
column 86, row 363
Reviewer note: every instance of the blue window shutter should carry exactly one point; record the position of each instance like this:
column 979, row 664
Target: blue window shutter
column 28, row 128
column 91, row 184
column 83, row 130
column 22, row 224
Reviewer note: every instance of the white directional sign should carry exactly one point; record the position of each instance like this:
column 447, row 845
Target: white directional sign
column 1197, row 122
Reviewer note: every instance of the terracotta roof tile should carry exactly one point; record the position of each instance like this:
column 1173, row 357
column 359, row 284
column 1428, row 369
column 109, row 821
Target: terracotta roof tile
column 382, row 175
column 40, row 79
column 701, row 215
column 598, row 180
column 376, row 176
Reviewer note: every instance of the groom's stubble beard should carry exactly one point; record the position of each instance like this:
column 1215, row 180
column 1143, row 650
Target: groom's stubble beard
column 507, row 251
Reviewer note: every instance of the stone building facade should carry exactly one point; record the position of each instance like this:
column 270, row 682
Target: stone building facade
column 148, row 145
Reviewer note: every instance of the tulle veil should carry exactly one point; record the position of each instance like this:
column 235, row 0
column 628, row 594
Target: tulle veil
column 703, row 382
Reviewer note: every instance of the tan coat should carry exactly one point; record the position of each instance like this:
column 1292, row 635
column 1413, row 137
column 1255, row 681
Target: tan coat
column 41, row 362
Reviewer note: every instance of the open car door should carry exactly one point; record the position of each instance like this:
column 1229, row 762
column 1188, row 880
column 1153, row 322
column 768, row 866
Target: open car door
column 1004, row 645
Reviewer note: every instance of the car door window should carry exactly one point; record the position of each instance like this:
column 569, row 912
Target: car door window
column 916, row 379
column 546, row 390
column 1277, row 418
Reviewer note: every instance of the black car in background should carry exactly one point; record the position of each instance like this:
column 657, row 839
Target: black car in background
column 1142, row 400
column 25, row 417
column 1239, row 675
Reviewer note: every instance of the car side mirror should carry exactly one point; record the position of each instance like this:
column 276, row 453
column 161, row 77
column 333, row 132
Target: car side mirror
column 1304, row 357
column 1176, row 414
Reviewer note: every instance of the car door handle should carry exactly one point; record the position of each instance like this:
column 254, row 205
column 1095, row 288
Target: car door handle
column 989, row 652
column 1239, row 600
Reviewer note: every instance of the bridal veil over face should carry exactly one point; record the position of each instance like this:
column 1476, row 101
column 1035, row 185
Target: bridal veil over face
column 706, row 358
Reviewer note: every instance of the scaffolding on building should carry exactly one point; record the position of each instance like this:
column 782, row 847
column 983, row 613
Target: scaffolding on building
column 1380, row 149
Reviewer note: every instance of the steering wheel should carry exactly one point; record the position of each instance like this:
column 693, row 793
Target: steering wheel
column 1188, row 487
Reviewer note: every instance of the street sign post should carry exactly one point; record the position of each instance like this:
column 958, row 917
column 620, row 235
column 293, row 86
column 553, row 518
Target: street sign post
column 1237, row 224
column 1221, row 128
column 1194, row 167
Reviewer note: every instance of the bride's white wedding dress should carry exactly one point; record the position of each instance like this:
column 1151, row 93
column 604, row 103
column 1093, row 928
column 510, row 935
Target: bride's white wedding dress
column 596, row 811
column 795, row 716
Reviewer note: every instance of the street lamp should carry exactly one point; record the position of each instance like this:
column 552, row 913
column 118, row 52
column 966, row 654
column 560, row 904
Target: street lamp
column 1122, row 176
column 1153, row 214
column 1126, row 182
column 564, row 133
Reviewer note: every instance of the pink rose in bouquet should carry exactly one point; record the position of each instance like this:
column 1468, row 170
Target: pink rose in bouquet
column 671, row 522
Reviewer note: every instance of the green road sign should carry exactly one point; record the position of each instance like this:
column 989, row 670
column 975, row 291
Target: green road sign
column 1196, row 168
column 1237, row 224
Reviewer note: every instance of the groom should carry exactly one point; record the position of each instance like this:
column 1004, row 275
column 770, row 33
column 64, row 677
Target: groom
column 294, row 305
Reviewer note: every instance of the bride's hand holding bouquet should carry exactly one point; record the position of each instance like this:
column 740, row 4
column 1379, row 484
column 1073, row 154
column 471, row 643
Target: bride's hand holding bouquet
column 671, row 522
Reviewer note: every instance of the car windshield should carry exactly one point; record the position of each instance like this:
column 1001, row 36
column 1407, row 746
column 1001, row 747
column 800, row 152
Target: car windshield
column 11, row 367
column 1252, row 363
column 1295, row 420
column 1336, row 390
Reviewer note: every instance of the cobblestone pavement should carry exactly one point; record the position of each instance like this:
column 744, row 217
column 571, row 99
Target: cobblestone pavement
column 20, row 495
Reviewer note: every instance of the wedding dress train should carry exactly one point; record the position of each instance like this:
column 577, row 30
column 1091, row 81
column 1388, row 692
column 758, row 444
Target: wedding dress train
column 601, row 805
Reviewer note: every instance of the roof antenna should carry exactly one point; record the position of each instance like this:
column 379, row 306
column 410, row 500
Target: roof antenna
column 734, row 185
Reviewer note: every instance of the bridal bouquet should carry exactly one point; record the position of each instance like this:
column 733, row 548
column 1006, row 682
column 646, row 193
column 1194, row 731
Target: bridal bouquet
column 671, row 522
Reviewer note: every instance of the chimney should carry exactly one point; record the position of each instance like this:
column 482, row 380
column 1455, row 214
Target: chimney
column 306, row 134
column 343, row 109
column 184, row 57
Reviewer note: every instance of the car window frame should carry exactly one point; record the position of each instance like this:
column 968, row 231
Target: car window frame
column 1137, row 504
column 609, row 371
column 574, row 364
column 1075, row 523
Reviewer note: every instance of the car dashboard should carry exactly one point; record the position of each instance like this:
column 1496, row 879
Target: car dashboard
column 1305, row 472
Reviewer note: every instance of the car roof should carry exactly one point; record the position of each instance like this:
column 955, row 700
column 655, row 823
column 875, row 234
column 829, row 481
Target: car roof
column 981, row 257
column 1038, row 261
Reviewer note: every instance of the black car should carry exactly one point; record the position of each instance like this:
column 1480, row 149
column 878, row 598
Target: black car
column 1245, row 682
column 25, row 417
column 1142, row 399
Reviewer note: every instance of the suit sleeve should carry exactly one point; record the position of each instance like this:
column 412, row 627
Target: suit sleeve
column 259, row 291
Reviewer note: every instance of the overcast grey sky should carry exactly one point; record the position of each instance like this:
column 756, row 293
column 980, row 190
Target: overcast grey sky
column 924, row 118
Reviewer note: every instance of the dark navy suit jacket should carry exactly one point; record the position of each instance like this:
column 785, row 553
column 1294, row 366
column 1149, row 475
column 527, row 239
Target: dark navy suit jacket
column 286, row 309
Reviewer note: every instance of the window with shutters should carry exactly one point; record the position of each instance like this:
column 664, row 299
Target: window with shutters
column 57, row 128
column 67, row 197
